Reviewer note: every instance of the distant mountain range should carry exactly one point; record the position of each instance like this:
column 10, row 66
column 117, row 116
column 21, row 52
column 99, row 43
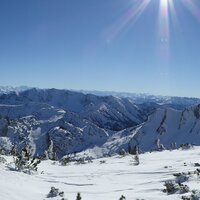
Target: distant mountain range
column 95, row 125
column 9, row 89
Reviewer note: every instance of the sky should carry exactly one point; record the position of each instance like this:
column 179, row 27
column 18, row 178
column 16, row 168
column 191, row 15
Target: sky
column 142, row 46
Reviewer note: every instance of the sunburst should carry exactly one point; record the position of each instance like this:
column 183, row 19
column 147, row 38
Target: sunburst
column 166, row 10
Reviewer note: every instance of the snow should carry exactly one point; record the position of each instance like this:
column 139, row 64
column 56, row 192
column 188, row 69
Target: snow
column 10, row 89
column 78, row 122
column 169, row 125
column 117, row 176
column 143, row 98
column 118, row 113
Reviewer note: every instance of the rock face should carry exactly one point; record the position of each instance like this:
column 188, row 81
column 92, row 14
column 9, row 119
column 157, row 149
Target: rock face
column 97, row 125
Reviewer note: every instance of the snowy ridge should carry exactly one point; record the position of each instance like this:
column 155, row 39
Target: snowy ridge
column 107, row 112
column 169, row 126
column 10, row 89
column 166, row 128
column 154, row 100
column 97, row 126
column 73, row 121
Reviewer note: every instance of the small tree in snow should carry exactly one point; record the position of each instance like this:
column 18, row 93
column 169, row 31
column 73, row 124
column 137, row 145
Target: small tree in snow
column 55, row 192
column 78, row 197
column 122, row 197
column 24, row 161
column 133, row 150
column 137, row 160
column 172, row 187
column 136, row 155
column 65, row 160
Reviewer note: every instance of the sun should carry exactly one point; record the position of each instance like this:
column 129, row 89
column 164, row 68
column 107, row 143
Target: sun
column 163, row 17
column 167, row 19
column 164, row 2
column 167, row 13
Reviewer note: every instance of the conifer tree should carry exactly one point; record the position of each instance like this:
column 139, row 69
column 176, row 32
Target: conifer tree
column 122, row 197
column 78, row 197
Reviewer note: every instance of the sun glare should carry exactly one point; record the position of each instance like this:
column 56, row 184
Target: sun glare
column 167, row 14
column 163, row 27
column 129, row 18
column 164, row 19
column 167, row 19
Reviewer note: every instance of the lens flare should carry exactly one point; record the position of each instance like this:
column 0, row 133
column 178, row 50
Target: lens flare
column 193, row 7
column 130, row 17
column 167, row 25
column 173, row 13
column 163, row 26
column 167, row 19
column 164, row 20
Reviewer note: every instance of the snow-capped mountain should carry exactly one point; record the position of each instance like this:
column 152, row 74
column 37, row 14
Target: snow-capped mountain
column 72, row 120
column 9, row 89
column 95, row 125
column 165, row 128
column 151, row 101
column 107, row 112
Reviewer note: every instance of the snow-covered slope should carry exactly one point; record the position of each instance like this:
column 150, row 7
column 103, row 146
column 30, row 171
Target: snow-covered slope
column 167, row 126
column 73, row 121
column 68, row 131
column 98, row 126
column 116, row 176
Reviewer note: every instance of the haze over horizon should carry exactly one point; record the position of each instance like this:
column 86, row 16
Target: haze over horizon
column 136, row 46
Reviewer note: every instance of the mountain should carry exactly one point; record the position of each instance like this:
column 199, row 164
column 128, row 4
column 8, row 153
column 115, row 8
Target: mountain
column 106, row 112
column 97, row 126
column 151, row 101
column 9, row 89
column 168, row 128
column 72, row 120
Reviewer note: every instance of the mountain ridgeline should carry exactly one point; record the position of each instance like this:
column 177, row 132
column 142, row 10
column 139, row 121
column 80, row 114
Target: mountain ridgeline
column 94, row 125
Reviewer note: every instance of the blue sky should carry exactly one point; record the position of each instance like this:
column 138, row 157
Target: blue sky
column 101, row 45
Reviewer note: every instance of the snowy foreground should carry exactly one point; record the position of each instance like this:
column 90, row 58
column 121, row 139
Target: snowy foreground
column 103, row 180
